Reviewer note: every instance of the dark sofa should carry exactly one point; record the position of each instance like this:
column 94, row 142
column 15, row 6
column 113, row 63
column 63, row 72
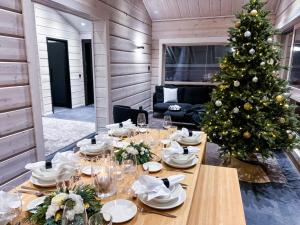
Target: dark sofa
column 190, row 98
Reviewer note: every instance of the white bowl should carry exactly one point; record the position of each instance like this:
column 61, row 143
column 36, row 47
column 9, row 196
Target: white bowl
column 182, row 158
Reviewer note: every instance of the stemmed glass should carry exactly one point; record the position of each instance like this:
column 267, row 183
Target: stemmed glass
column 79, row 219
column 141, row 120
column 12, row 214
column 100, row 219
column 167, row 122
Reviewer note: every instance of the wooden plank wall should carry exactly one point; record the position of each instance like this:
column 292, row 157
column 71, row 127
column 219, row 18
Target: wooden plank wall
column 51, row 24
column 129, row 26
column 17, row 139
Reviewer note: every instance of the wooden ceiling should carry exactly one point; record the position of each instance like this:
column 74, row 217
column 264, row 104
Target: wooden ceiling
column 184, row 9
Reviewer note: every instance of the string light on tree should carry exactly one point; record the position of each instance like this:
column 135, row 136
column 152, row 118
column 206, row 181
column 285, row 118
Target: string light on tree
column 262, row 63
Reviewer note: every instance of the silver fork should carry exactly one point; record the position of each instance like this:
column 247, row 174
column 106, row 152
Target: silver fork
column 143, row 210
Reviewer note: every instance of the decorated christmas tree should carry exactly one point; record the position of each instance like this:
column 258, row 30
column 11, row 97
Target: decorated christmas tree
column 250, row 110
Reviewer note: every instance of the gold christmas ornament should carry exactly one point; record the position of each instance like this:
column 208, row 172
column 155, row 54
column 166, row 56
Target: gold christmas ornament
column 247, row 135
column 248, row 106
column 279, row 98
column 253, row 12
column 281, row 120
column 237, row 24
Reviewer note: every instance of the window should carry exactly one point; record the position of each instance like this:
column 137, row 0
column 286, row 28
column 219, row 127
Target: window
column 294, row 77
column 192, row 63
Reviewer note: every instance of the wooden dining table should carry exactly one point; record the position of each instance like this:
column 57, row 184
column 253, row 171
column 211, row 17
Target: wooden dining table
column 213, row 194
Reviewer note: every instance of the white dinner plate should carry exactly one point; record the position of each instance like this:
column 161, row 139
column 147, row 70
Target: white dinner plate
column 120, row 144
column 181, row 197
column 41, row 183
column 87, row 153
column 183, row 142
column 34, row 203
column 121, row 210
column 171, row 163
column 152, row 167
column 87, row 170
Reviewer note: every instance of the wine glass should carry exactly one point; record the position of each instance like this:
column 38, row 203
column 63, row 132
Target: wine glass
column 167, row 122
column 141, row 120
column 68, row 217
column 65, row 180
column 101, row 218
column 14, row 206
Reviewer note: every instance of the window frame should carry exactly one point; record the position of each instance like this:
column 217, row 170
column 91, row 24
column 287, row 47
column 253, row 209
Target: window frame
column 296, row 27
column 185, row 42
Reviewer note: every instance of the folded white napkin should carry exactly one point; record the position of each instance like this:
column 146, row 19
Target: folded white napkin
column 8, row 201
column 184, row 134
column 96, row 147
column 102, row 143
column 66, row 158
column 175, row 148
column 62, row 161
column 126, row 124
column 154, row 187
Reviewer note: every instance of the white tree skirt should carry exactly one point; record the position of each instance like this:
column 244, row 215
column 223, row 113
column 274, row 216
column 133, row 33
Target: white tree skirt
column 59, row 133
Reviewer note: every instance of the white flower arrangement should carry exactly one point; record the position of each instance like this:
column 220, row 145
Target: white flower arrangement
column 58, row 202
column 78, row 200
column 140, row 150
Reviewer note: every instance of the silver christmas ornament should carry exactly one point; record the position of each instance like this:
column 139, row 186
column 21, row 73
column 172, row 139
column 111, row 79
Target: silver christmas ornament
column 218, row 103
column 251, row 51
column 236, row 110
column 262, row 63
column 236, row 83
column 247, row 33
column 234, row 39
column 254, row 79
column 271, row 61
column 269, row 40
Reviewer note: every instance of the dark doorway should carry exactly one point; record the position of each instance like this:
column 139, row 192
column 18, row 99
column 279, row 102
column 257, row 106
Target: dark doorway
column 59, row 73
column 88, row 71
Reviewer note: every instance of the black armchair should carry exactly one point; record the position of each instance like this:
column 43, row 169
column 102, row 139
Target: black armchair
column 122, row 113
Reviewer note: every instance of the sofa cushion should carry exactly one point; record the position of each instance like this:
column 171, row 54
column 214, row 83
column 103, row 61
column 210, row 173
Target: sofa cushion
column 159, row 93
column 197, row 95
column 162, row 107
column 170, row 95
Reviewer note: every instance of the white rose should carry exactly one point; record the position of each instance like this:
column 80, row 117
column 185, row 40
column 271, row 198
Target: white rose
column 124, row 155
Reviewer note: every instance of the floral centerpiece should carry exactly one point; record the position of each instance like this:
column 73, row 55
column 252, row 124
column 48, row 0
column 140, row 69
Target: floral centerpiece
column 140, row 150
column 50, row 212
